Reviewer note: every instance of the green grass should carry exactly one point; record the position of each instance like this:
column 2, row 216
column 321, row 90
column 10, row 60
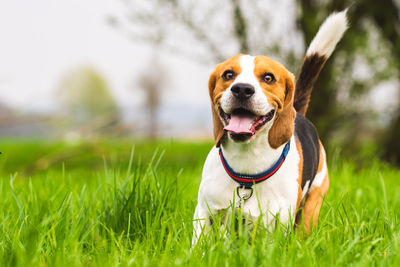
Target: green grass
column 99, row 204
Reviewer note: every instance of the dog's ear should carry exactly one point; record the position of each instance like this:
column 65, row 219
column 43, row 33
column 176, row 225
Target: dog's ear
column 283, row 126
column 218, row 126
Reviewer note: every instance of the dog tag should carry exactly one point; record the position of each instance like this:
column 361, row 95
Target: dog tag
column 239, row 203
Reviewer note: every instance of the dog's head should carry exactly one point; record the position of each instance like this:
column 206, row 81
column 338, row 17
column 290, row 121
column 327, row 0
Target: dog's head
column 249, row 94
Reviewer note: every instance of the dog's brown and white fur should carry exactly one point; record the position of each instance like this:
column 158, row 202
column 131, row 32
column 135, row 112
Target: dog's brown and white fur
column 273, row 89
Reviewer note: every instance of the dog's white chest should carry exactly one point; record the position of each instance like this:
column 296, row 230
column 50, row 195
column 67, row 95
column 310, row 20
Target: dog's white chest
column 275, row 196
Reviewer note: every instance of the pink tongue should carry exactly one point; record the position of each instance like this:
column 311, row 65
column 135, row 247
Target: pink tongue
column 240, row 124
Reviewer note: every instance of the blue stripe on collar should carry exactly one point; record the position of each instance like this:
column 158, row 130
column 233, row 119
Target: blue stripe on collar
column 247, row 180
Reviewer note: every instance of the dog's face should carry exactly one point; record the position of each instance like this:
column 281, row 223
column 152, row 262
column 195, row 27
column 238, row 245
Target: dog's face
column 249, row 94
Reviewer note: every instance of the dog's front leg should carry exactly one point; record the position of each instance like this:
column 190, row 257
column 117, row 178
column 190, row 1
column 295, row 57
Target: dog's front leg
column 201, row 223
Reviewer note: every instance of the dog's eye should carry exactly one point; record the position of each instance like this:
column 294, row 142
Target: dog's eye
column 228, row 75
column 268, row 78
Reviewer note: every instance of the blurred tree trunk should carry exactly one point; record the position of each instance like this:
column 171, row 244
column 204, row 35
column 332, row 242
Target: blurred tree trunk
column 391, row 144
column 240, row 27
column 153, row 81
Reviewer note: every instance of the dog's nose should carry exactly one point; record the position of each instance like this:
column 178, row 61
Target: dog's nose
column 242, row 91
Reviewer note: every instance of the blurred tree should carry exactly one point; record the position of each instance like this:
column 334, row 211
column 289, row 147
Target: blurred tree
column 207, row 32
column 152, row 81
column 86, row 98
column 367, row 56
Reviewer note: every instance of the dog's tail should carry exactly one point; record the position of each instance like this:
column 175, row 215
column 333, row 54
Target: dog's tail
column 321, row 47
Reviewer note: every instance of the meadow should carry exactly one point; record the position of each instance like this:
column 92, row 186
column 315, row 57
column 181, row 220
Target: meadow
column 125, row 203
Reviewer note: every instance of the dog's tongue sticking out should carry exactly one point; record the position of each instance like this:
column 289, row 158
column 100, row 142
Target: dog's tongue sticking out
column 240, row 123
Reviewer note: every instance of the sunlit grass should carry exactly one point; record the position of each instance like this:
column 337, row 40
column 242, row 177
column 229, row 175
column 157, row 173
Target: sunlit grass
column 107, row 204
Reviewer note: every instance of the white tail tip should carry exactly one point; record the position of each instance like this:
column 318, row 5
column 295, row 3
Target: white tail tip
column 329, row 34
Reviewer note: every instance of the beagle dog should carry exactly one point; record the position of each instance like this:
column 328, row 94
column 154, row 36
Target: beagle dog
column 267, row 159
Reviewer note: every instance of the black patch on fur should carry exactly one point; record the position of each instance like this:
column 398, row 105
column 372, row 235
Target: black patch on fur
column 309, row 72
column 308, row 136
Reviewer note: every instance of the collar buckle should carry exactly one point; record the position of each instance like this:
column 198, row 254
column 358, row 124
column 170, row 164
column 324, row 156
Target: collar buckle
column 244, row 196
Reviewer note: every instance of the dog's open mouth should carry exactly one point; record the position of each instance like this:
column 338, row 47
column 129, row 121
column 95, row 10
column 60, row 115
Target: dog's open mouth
column 244, row 122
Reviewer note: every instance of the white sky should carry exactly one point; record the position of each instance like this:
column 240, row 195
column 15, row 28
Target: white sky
column 43, row 39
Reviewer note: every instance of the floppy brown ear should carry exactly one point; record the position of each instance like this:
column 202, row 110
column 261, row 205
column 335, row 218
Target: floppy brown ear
column 218, row 126
column 282, row 129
